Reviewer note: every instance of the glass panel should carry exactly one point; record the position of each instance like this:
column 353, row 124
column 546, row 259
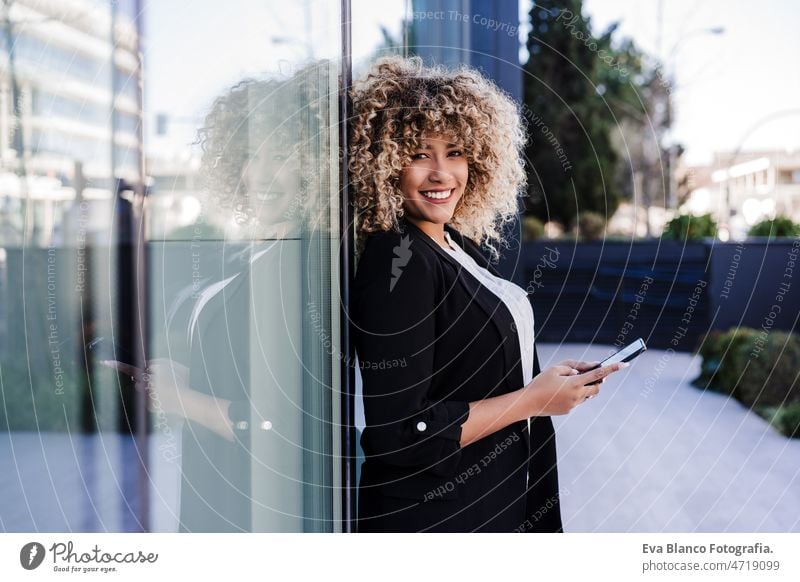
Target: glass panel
column 241, row 228
column 67, row 423
column 243, row 265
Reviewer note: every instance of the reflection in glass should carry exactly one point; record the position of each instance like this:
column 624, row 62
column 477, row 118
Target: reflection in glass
column 67, row 424
column 235, row 426
column 241, row 387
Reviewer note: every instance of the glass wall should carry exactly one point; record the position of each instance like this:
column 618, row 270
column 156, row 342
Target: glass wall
column 242, row 239
column 68, row 423
column 181, row 376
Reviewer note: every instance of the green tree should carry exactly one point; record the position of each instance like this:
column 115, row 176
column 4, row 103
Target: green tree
column 571, row 163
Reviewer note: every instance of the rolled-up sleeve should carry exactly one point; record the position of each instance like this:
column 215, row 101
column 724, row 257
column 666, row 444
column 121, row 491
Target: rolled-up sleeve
column 396, row 293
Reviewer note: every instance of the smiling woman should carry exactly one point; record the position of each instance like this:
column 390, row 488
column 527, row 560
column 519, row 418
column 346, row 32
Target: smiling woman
column 425, row 129
column 460, row 438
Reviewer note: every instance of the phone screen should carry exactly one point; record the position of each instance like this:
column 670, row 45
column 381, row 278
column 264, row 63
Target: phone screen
column 627, row 353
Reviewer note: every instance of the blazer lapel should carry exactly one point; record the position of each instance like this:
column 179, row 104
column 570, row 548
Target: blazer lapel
column 501, row 317
column 513, row 354
column 238, row 272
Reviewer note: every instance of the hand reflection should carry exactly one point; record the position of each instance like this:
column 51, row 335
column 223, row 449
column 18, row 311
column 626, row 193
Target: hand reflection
column 167, row 385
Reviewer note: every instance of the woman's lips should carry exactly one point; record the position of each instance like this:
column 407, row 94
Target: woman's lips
column 437, row 196
column 268, row 196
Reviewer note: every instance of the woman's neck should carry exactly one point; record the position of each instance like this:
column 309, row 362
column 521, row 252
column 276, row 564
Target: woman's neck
column 432, row 229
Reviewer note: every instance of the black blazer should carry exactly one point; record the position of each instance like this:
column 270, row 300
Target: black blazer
column 216, row 473
column 430, row 339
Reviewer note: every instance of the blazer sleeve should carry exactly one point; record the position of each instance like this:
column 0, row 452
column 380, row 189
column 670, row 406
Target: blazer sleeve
column 397, row 291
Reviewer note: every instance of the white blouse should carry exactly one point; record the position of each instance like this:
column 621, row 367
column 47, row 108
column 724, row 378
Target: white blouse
column 514, row 297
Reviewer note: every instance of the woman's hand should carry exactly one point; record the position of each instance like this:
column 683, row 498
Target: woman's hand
column 581, row 366
column 560, row 388
column 166, row 383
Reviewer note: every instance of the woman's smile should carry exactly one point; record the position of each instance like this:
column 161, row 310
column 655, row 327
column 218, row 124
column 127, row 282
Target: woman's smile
column 434, row 179
column 438, row 196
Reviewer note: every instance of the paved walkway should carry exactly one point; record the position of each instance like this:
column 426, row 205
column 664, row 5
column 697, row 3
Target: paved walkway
column 651, row 454
column 654, row 454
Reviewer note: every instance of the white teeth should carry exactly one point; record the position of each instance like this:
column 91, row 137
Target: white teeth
column 438, row 195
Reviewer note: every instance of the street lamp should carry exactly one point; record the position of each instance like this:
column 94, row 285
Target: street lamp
column 672, row 199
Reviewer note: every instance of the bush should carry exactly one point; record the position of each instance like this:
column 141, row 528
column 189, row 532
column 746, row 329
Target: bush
column 591, row 225
column 787, row 420
column 780, row 226
column 769, row 379
column 690, row 227
column 532, row 228
column 758, row 369
column 31, row 402
column 724, row 356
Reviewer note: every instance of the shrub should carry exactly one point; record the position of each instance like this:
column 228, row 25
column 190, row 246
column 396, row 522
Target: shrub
column 532, row 228
column 769, row 379
column 591, row 225
column 690, row 227
column 779, row 226
column 31, row 402
column 787, row 420
column 724, row 356
column 759, row 369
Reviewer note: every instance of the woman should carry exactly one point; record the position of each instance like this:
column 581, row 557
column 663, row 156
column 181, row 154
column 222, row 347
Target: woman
column 458, row 434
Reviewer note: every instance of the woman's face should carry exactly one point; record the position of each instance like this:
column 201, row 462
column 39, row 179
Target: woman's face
column 434, row 181
column 272, row 179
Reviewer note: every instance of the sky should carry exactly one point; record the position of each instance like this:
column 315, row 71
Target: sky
column 197, row 49
column 737, row 89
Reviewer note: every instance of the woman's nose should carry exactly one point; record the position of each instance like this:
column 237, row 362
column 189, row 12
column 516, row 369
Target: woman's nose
column 437, row 173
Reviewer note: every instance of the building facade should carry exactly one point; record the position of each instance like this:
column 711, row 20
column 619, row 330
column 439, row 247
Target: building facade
column 742, row 188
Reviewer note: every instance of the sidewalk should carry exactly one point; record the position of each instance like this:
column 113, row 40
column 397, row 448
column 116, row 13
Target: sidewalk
column 654, row 454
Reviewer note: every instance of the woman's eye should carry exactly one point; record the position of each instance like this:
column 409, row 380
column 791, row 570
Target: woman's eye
column 456, row 153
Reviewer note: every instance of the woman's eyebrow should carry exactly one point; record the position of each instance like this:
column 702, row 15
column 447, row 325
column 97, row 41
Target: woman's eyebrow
column 425, row 146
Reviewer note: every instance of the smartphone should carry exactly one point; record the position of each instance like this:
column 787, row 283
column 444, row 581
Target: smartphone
column 102, row 348
column 626, row 354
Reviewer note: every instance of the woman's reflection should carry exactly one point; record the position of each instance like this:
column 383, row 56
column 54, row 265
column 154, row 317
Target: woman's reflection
column 259, row 164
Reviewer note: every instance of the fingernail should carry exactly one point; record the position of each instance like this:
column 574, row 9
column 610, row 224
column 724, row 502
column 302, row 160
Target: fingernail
column 624, row 365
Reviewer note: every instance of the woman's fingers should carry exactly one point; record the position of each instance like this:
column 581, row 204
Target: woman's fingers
column 122, row 367
column 592, row 391
column 586, row 366
column 599, row 374
column 563, row 370
column 570, row 363
column 579, row 365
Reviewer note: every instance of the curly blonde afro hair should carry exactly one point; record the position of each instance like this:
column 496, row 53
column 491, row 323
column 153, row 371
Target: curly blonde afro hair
column 399, row 102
